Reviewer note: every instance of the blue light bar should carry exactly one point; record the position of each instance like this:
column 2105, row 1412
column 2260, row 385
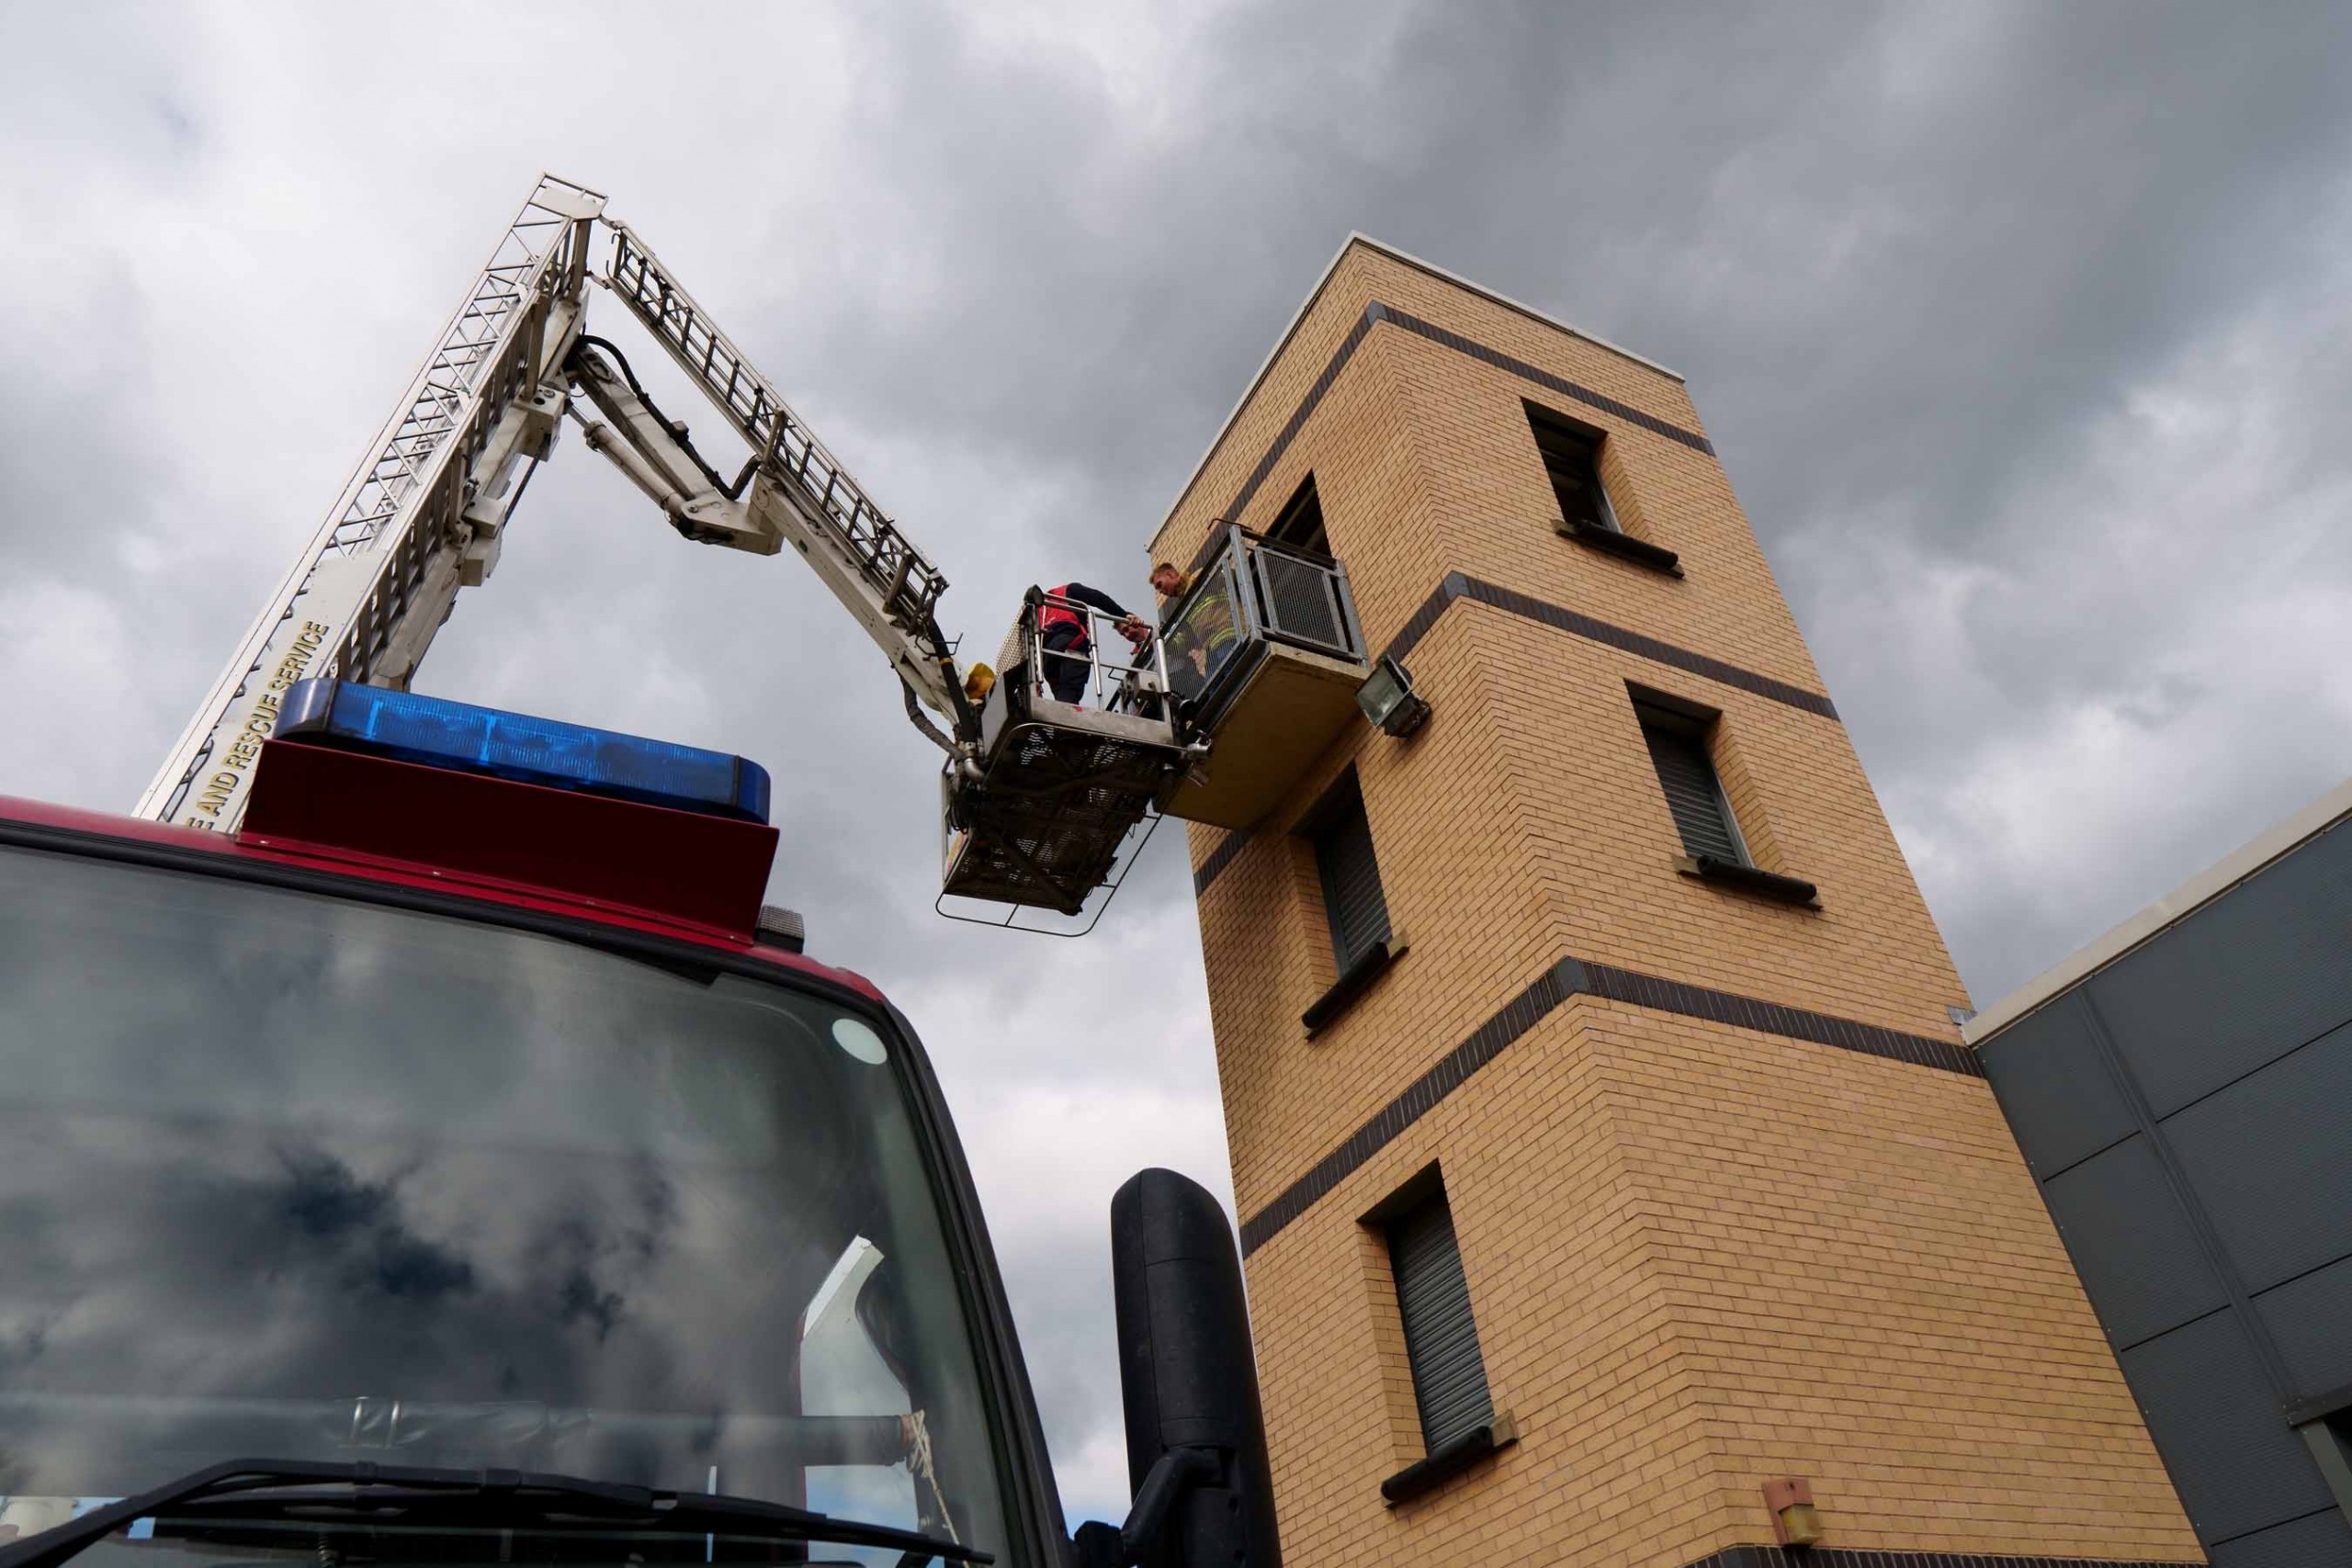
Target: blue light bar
column 442, row 734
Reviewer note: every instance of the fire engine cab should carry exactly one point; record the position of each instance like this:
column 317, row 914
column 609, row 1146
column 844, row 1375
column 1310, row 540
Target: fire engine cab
column 457, row 1162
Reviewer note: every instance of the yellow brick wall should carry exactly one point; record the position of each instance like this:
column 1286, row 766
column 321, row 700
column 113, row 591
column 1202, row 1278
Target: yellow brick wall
column 1699, row 1255
column 1860, row 1270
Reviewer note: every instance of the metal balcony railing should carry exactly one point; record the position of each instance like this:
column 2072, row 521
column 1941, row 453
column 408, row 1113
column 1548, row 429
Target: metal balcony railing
column 1250, row 593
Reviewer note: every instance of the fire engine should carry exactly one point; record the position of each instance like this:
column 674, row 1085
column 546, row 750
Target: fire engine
column 424, row 1144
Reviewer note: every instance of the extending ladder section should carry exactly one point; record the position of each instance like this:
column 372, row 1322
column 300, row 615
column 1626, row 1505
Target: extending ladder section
column 417, row 520
column 907, row 584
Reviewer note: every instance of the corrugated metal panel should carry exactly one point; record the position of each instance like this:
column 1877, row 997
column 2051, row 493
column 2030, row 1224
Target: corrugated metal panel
column 2237, row 1465
column 2310, row 1322
column 2139, row 1260
column 2240, row 983
column 1441, row 1337
column 2271, row 1160
column 2060, row 1098
column 1352, row 898
column 1691, row 792
column 2317, row 1541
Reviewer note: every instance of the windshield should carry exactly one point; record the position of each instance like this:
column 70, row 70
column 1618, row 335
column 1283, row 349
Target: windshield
column 296, row 1177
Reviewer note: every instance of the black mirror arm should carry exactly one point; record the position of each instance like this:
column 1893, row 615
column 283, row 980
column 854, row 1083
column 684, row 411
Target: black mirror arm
column 1172, row 1474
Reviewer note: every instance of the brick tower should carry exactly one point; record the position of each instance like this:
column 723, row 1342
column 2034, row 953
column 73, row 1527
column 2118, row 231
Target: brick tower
column 1602, row 1135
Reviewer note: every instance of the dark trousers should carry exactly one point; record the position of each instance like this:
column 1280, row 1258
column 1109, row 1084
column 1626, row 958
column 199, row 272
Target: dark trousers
column 1067, row 676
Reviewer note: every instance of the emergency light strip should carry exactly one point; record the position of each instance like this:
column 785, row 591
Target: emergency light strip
column 436, row 732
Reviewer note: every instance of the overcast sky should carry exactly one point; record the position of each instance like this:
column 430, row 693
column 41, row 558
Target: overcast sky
column 2024, row 333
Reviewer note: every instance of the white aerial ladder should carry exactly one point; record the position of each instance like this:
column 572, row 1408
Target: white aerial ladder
column 1037, row 801
column 425, row 513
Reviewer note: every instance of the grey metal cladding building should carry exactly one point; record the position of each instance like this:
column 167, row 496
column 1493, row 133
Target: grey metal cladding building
column 2182, row 1089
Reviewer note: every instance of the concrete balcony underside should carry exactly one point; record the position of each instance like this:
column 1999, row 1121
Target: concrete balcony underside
column 1286, row 713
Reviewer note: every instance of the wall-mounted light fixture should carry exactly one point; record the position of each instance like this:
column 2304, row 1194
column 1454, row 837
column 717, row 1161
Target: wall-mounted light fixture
column 1389, row 701
column 1790, row 1501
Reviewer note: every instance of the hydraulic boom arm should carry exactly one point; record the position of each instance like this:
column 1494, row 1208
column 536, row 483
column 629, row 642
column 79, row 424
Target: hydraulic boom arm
column 424, row 514
column 797, row 492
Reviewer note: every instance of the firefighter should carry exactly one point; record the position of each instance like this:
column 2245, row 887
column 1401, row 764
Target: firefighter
column 1170, row 582
column 1198, row 644
column 1064, row 642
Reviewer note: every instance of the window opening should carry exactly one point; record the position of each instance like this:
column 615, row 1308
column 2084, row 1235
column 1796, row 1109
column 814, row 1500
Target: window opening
column 2331, row 1444
column 1572, row 460
column 1301, row 522
column 1352, row 898
column 1694, row 793
column 1440, row 1336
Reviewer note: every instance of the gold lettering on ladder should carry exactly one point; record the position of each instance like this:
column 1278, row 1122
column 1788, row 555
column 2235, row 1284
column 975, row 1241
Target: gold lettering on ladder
column 239, row 747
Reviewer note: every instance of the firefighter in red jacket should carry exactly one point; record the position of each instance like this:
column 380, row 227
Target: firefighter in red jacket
column 1064, row 642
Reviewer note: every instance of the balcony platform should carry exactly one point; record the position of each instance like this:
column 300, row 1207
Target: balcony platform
column 1285, row 710
column 1264, row 657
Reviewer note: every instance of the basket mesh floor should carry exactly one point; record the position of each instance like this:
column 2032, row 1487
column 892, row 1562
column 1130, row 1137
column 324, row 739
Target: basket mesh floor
column 1047, row 826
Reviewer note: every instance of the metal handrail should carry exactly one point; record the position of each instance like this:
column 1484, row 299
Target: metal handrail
column 1114, row 685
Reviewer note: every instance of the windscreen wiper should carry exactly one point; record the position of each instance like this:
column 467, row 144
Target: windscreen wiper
column 289, row 1489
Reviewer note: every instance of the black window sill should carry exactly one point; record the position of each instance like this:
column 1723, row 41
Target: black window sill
column 1749, row 879
column 1608, row 541
column 1473, row 1448
column 1352, row 985
column 2320, row 1406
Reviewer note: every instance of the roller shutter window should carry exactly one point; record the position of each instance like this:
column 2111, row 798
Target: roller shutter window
column 1693, row 793
column 1572, row 459
column 1440, row 1339
column 1352, row 899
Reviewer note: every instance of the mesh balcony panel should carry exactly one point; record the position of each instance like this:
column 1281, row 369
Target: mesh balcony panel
column 1300, row 603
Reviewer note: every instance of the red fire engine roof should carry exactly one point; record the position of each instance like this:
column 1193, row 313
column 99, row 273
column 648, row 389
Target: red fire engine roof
column 515, row 851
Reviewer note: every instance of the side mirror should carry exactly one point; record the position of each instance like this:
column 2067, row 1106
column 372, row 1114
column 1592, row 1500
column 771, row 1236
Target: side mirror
column 1196, row 1437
